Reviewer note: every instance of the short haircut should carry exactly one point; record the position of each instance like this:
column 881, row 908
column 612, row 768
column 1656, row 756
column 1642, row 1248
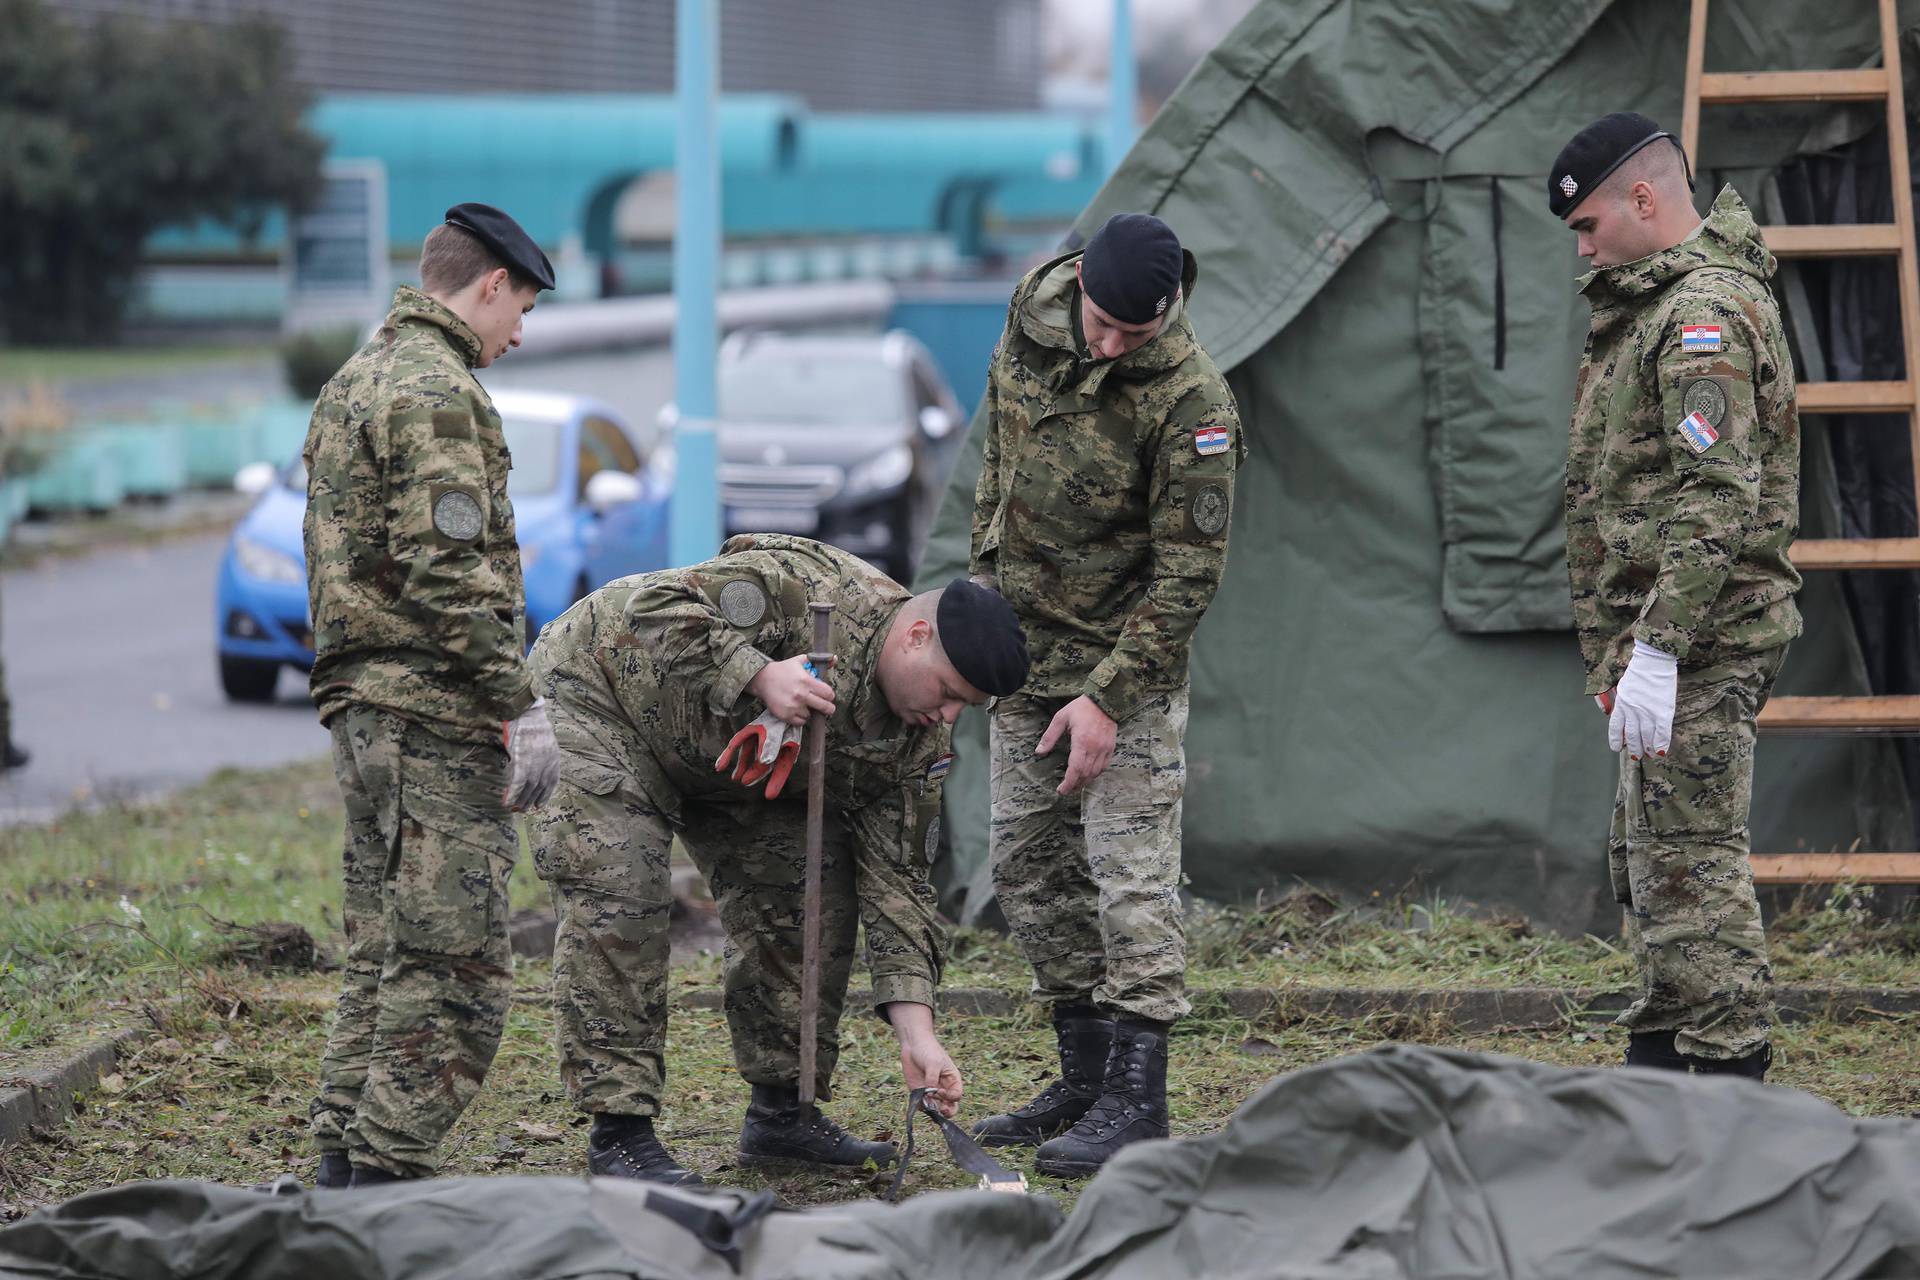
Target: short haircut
column 1658, row 164
column 453, row 258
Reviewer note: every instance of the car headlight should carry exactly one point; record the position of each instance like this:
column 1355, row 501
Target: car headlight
column 886, row 470
column 257, row 560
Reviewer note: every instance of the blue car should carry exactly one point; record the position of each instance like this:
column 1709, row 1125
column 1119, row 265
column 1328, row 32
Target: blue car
column 587, row 507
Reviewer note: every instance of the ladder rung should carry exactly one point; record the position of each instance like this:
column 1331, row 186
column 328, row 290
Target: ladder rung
column 1824, row 868
column 1869, row 713
column 1839, row 240
column 1854, row 397
column 1855, row 553
column 1869, row 85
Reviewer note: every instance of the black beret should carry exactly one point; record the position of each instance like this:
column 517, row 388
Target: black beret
column 1131, row 268
column 982, row 638
column 514, row 247
column 1597, row 151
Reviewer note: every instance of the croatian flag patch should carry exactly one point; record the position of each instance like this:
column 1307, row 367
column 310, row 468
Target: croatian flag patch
column 938, row 769
column 1699, row 433
column 1208, row 440
column 1699, row 337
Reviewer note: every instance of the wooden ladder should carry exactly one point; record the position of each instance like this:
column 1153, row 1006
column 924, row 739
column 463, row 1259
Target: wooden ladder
column 1874, row 713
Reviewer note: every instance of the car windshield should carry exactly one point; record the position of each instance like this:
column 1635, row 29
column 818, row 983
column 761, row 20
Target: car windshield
column 809, row 388
column 534, row 443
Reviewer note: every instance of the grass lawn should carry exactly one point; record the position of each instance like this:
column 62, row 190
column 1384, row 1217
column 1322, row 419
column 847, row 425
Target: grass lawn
column 150, row 917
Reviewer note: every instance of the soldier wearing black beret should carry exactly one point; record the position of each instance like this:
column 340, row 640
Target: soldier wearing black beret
column 1683, row 487
column 679, row 698
column 1102, row 514
column 414, row 584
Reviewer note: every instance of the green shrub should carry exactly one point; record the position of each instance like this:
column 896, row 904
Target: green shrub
column 310, row 358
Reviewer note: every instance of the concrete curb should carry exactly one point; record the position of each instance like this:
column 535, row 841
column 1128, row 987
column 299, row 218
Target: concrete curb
column 47, row 1097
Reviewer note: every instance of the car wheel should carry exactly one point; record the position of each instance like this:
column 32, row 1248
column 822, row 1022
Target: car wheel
column 248, row 679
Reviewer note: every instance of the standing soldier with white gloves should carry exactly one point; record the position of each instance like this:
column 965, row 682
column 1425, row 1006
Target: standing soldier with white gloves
column 1683, row 482
column 419, row 635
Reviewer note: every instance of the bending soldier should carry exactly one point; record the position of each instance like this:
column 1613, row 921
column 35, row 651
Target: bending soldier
column 651, row 678
column 1101, row 514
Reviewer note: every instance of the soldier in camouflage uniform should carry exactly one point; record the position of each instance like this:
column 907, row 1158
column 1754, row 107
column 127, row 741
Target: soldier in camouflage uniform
column 1101, row 513
column 1682, row 501
column 418, row 623
column 651, row 679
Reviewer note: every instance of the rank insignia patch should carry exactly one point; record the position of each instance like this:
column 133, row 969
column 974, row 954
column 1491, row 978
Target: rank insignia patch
column 940, row 767
column 1699, row 337
column 1208, row 440
column 1699, row 433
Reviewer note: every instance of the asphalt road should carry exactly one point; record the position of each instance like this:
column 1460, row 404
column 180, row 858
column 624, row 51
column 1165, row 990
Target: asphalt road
column 110, row 658
column 111, row 666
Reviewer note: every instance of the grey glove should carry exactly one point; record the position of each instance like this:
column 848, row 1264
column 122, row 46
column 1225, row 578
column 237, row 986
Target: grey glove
column 533, row 758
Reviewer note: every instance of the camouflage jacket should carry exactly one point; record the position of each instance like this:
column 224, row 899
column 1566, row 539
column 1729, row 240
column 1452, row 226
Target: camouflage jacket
column 413, row 568
column 646, row 679
column 1103, row 501
column 1683, row 459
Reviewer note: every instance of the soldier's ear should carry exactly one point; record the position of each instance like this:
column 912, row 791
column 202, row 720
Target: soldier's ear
column 920, row 634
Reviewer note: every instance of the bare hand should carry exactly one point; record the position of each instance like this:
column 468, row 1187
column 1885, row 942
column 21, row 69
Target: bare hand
column 923, row 1061
column 1091, row 732
column 790, row 692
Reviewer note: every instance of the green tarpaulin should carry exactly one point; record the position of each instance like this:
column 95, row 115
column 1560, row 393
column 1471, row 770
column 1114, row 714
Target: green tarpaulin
column 1406, row 1164
column 1385, row 693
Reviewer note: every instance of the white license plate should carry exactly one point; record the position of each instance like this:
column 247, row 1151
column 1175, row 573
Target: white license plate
column 774, row 519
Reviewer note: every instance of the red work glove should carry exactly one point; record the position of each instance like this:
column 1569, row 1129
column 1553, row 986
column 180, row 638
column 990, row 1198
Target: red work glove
column 763, row 751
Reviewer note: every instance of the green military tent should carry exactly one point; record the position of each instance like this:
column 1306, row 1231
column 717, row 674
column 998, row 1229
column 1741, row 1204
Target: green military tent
column 1387, row 693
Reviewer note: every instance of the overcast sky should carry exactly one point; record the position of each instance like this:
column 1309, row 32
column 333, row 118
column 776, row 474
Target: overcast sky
column 1169, row 37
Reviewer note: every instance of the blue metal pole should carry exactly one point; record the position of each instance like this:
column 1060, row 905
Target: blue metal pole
column 694, row 528
column 1123, row 86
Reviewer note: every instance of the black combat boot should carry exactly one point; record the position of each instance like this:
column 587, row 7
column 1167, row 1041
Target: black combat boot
column 336, row 1170
column 782, row 1134
column 1132, row 1106
column 13, row 756
column 1085, row 1039
column 1751, row 1065
column 625, row 1147
column 1654, row 1049
column 366, row 1175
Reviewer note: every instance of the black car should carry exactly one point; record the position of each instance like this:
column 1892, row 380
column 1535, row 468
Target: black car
column 848, row 438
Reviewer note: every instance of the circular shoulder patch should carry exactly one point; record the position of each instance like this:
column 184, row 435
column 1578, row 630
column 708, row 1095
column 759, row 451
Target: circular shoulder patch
column 456, row 515
column 1210, row 509
column 742, row 603
column 933, row 838
column 1705, row 397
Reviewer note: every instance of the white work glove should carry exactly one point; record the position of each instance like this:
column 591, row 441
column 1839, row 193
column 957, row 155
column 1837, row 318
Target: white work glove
column 1642, row 716
column 533, row 758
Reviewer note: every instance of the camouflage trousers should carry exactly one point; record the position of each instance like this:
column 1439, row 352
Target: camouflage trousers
column 604, row 847
column 1677, row 857
column 428, row 974
column 1090, row 882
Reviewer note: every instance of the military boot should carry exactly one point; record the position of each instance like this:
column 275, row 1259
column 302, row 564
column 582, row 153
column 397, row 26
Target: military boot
column 1132, row 1106
column 1085, row 1039
column 781, row 1134
column 367, row 1175
column 1655, row 1049
column 336, row 1170
column 14, row 756
column 1751, row 1065
column 625, row 1147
